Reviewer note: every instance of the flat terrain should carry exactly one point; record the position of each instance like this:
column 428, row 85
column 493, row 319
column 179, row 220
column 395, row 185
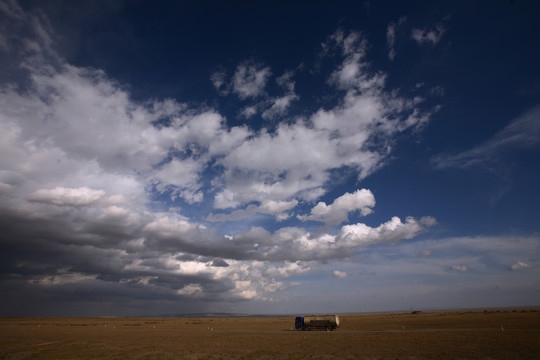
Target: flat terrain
column 492, row 334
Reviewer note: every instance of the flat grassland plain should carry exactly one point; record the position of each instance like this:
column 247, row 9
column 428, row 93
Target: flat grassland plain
column 474, row 334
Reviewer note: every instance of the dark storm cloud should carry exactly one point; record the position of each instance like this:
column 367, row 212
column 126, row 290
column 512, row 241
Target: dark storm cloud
column 64, row 260
column 84, row 250
column 220, row 263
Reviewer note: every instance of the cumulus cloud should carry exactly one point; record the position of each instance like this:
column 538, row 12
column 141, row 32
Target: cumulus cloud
column 288, row 269
column 339, row 274
column 294, row 243
column 392, row 230
column 519, row 265
column 276, row 207
column 183, row 177
column 295, row 160
column 337, row 212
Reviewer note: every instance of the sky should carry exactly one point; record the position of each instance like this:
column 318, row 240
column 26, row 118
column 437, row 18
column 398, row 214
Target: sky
column 163, row 158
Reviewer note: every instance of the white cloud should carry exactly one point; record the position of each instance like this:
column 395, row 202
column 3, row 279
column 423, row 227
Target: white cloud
column 192, row 290
column 295, row 160
column 276, row 207
column 77, row 119
column 279, row 106
column 393, row 230
column 294, row 243
column 219, row 80
column 250, row 79
column 277, row 166
column 248, row 112
column 286, row 82
column 428, row 221
column 459, row 268
column 337, row 212
column 519, row 265
column 339, row 274
column 352, row 72
column 391, row 36
column 390, row 39
column 269, row 207
column 287, row 270
column 181, row 174
column 432, row 36
column 225, row 199
column 245, row 290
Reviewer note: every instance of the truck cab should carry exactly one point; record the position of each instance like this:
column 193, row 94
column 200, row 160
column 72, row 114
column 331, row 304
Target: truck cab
column 299, row 323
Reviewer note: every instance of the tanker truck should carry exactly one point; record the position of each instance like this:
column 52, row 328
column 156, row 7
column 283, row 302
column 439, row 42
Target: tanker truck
column 316, row 322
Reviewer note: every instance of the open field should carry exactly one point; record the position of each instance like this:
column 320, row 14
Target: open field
column 493, row 334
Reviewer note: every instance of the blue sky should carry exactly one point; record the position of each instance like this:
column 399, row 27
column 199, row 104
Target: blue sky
column 173, row 158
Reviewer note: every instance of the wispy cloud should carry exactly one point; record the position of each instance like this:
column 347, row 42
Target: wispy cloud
column 279, row 209
column 519, row 266
column 522, row 133
column 278, row 106
column 428, row 36
column 459, row 268
column 250, row 79
column 219, row 79
column 391, row 36
column 424, row 253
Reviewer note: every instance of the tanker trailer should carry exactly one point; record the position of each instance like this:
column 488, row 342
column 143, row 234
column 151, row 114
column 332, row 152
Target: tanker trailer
column 316, row 322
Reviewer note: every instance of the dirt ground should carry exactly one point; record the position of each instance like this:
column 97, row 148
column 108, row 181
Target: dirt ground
column 491, row 334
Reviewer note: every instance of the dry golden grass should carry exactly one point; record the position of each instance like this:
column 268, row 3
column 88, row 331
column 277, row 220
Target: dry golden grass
column 426, row 335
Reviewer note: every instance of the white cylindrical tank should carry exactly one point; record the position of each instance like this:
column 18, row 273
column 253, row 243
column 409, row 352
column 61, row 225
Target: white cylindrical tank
column 321, row 322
